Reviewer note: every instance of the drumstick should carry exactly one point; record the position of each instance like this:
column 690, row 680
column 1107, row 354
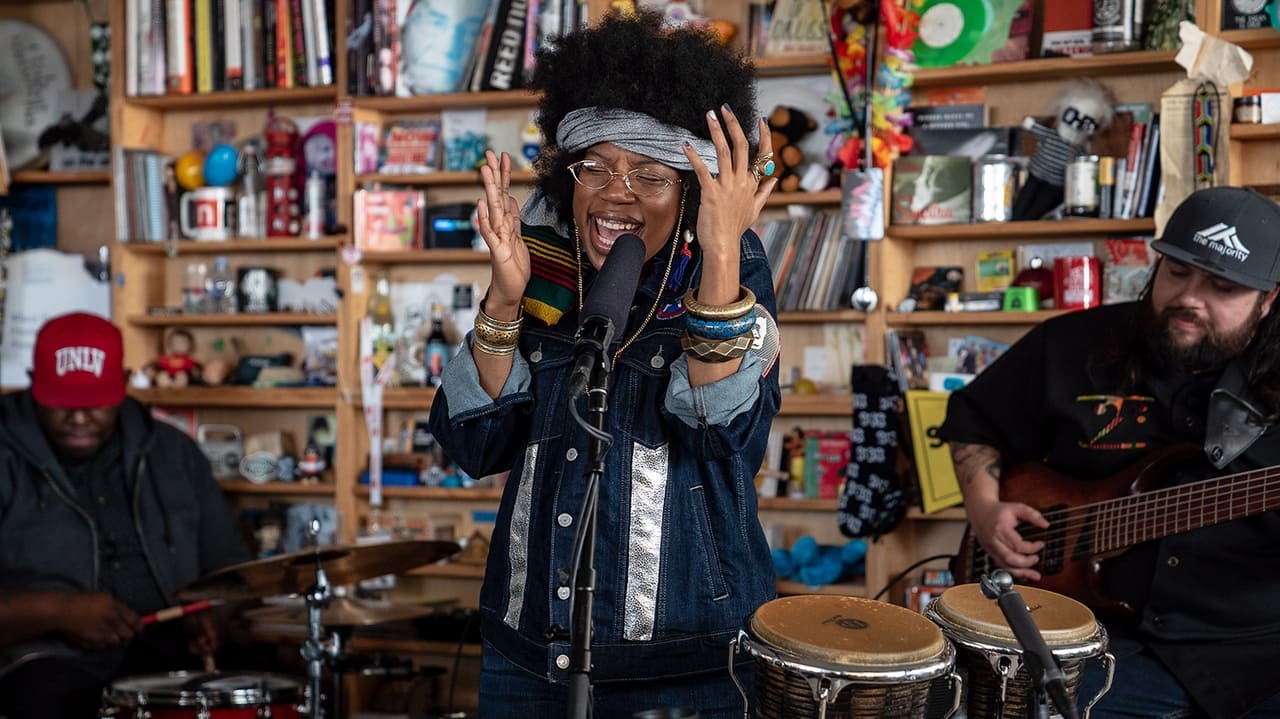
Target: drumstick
column 181, row 610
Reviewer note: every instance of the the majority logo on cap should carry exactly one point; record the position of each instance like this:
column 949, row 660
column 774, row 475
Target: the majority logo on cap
column 1223, row 239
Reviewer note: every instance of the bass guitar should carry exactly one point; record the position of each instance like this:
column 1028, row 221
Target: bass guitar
column 1092, row 521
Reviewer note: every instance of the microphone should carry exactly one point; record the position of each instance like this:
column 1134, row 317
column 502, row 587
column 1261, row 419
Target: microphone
column 605, row 309
column 1040, row 663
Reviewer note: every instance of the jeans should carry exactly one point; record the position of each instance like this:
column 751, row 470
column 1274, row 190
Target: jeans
column 509, row 692
column 1142, row 687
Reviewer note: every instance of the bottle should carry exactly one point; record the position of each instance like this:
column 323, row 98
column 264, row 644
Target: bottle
column 379, row 311
column 437, row 354
column 220, row 288
column 193, row 291
column 251, row 197
column 313, row 227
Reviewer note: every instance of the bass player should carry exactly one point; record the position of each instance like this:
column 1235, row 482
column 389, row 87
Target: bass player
column 1153, row 499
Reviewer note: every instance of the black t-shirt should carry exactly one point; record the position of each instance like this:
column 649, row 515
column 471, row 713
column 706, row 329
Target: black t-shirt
column 1210, row 597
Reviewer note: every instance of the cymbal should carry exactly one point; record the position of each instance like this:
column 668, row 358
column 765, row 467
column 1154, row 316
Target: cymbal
column 341, row 612
column 295, row 572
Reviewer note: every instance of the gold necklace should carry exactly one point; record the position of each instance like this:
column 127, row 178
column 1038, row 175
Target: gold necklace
column 675, row 245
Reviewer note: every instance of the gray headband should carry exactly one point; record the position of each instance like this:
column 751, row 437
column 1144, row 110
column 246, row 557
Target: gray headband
column 631, row 131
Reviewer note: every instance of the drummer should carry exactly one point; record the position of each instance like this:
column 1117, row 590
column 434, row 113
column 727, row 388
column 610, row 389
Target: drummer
column 104, row 514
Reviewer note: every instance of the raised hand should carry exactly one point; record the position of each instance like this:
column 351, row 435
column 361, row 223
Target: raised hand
column 499, row 218
column 97, row 621
column 732, row 200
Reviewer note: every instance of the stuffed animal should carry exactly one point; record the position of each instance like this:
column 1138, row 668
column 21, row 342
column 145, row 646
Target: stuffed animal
column 177, row 368
column 1081, row 109
column 787, row 126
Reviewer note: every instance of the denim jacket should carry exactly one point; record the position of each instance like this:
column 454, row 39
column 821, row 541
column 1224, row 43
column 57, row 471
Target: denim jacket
column 681, row 560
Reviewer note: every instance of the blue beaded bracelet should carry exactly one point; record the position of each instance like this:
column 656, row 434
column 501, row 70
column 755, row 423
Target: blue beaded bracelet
column 721, row 329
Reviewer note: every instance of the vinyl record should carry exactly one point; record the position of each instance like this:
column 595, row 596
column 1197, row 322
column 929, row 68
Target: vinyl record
column 33, row 74
column 950, row 30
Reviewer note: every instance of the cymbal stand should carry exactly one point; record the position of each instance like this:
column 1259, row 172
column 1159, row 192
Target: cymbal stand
column 318, row 649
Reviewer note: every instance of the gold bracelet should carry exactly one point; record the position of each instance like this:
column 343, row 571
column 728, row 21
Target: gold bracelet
column 495, row 337
column 708, row 350
column 484, row 317
column 746, row 302
column 490, row 349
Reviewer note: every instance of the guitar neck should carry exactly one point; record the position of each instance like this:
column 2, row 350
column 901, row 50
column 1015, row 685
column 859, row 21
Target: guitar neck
column 1120, row 523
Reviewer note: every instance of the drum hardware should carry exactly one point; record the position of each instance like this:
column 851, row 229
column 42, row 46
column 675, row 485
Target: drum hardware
column 1046, row 675
column 312, row 573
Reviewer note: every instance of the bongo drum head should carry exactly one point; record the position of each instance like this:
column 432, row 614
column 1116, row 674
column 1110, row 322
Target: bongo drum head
column 1062, row 620
column 847, row 630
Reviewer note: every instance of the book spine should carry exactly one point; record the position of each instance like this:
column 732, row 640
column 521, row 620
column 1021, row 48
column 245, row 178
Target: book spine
column 324, row 53
column 232, row 53
column 204, row 45
column 299, row 47
column 284, row 52
column 135, row 28
column 250, row 34
column 176, row 42
column 311, row 69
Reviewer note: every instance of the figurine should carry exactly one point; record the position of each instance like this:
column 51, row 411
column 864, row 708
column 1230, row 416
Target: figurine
column 311, row 465
column 177, row 368
column 284, row 214
column 1081, row 109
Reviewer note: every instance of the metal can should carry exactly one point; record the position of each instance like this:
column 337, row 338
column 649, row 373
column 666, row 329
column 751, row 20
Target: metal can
column 1080, row 193
column 995, row 183
column 1247, row 109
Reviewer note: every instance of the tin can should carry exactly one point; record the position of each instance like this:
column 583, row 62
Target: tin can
column 1080, row 193
column 1077, row 282
column 995, row 183
column 1247, row 109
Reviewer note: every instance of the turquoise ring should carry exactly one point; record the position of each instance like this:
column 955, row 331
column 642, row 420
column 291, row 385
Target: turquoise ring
column 763, row 166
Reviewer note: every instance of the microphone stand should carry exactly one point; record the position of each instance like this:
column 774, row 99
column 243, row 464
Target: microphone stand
column 584, row 577
column 1046, row 676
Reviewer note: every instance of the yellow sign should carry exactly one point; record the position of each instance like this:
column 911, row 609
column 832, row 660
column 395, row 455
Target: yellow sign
column 939, row 488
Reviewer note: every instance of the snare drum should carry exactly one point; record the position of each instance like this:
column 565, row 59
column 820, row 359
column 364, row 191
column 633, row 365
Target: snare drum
column 844, row 658
column 991, row 660
column 204, row 695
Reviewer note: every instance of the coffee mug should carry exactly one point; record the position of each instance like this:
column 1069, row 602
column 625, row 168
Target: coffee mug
column 208, row 213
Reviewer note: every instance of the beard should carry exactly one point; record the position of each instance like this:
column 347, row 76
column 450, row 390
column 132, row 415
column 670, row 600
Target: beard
column 1214, row 349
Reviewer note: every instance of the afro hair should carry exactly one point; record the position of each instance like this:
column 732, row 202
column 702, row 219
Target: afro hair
column 633, row 62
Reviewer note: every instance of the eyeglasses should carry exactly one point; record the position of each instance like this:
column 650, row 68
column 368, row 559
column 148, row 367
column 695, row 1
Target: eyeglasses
column 642, row 181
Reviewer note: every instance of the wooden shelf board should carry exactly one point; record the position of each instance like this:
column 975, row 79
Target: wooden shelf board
column 1257, row 39
column 453, row 494
column 1254, row 133
column 904, row 319
column 427, row 103
column 847, row 589
column 820, row 317
column 786, row 65
column 236, row 320
column 255, row 397
column 410, row 398
column 824, row 197
column 451, row 570
column 1048, row 68
column 816, row 405
column 462, row 178
column 231, row 247
column 46, row 177
column 244, row 486
column 1041, row 228
column 950, row 514
column 787, row 504
column 236, row 98
column 423, row 257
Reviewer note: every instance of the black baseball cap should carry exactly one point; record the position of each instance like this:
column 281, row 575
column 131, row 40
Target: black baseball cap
column 1229, row 232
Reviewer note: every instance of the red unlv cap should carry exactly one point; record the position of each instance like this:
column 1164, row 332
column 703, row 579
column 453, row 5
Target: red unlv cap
column 78, row 363
column 1229, row 232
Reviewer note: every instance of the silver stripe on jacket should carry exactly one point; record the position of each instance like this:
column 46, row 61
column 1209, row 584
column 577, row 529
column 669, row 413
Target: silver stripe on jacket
column 518, row 540
column 644, row 545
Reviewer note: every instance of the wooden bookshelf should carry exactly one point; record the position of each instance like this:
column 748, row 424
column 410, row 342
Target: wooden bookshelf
column 47, row 177
column 239, row 246
column 256, row 319
column 1035, row 229
column 910, row 319
column 236, row 99
column 246, row 397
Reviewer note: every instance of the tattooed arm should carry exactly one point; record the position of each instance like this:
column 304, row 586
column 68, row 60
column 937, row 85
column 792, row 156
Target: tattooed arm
column 995, row 523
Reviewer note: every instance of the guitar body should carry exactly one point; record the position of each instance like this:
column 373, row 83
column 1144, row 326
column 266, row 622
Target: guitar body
column 1071, row 563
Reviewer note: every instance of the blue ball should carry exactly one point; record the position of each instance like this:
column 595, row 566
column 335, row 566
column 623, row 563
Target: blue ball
column 220, row 166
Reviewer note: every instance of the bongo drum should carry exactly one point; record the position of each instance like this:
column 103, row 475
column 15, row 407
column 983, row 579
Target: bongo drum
column 204, row 695
column 989, row 656
column 837, row 657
